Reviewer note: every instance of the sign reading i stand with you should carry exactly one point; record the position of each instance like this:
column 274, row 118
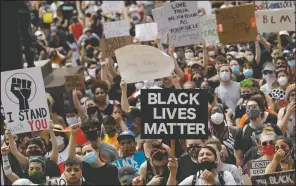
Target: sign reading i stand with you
column 182, row 23
column 24, row 100
column 182, row 114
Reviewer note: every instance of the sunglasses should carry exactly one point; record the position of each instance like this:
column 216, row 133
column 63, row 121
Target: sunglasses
column 271, row 142
column 265, row 72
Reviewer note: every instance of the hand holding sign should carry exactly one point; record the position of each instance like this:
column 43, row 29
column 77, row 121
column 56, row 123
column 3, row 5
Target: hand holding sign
column 21, row 88
column 173, row 165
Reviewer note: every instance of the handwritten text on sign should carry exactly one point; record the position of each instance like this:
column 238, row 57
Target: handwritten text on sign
column 162, row 27
column 116, row 28
column 181, row 114
column 278, row 178
column 182, row 22
column 112, row 6
column 24, row 100
column 275, row 20
column 208, row 26
column 257, row 167
column 74, row 81
column 134, row 161
column 267, row 4
column 108, row 46
column 146, row 32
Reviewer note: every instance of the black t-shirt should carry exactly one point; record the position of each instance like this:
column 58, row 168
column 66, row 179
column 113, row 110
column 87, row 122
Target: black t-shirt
column 252, row 154
column 239, row 78
column 186, row 167
column 178, row 149
column 240, row 110
column 105, row 175
column 97, row 29
column 52, row 169
column 108, row 110
column 245, row 142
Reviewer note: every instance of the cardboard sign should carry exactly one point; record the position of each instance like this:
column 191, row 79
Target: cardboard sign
column 236, row 24
column 146, row 32
column 74, row 81
column 140, row 62
column 257, row 167
column 178, row 114
column 108, row 46
column 24, row 100
column 208, row 26
column 277, row 178
column 182, row 22
column 275, row 20
column 134, row 161
column 112, row 6
column 267, row 4
column 116, row 28
column 158, row 16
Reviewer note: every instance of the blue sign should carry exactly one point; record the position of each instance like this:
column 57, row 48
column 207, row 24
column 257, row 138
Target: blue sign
column 134, row 161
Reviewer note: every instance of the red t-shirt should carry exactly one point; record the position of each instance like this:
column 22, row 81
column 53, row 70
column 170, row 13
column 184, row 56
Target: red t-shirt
column 77, row 30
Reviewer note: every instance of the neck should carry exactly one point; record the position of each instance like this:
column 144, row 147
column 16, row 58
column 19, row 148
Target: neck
column 98, row 164
column 193, row 159
column 168, row 85
column 255, row 123
column 101, row 103
column 226, row 82
column 78, row 183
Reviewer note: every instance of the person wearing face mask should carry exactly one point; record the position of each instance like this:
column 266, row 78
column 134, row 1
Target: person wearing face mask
column 111, row 134
column 282, row 157
column 255, row 110
column 188, row 161
column 72, row 116
column 92, row 69
column 189, row 54
column 248, row 71
column 95, row 171
column 236, row 71
column 154, row 171
column 282, row 79
column 269, row 78
column 208, row 173
column 224, row 131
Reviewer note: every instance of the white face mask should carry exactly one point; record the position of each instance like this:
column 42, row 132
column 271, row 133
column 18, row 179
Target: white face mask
column 139, row 85
column 282, row 80
column 60, row 140
column 188, row 55
column 217, row 118
column 92, row 72
column 225, row 76
column 211, row 53
column 250, row 58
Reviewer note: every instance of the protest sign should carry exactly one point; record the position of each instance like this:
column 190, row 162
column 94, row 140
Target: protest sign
column 74, row 81
column 145, row 63
column 56, row 181
column 24, row 100
column 208, row 26
column 112, row 6
column 267, row 4
column 146, row 32
column 134, row 161
column 277, row 178
column 108, row 46
column 236, row 24
column 181, row 114
column 257, row 167
column 182, row 22
column 162, row 27
column 116, row 28
column 275, row 20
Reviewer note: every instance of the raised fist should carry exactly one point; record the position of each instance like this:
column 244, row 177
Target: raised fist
column 21, row 88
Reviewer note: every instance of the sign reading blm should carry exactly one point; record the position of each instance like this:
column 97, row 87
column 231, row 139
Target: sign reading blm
column 182, row 114
column 23, row 99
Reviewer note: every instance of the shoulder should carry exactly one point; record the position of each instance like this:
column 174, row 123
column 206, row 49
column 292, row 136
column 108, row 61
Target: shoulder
column 187, row 181
column 227, row 175
column 144, row 165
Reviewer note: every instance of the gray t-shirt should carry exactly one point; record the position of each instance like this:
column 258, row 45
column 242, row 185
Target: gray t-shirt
column 108, row 152
column 234, row 171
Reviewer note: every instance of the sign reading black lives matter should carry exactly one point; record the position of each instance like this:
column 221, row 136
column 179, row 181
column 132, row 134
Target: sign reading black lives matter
column 181, row 114
column 24, row 101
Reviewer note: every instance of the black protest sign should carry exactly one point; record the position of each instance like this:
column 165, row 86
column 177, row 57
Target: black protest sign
column 181, row 114
column 257, row 167
column 277, row 178
column 108, row 46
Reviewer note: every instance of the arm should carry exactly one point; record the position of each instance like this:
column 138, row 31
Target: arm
column 124, row 101
column 77, row 105
column 158, row 42
column 271, row 167
column 177, row 69
column 173, row 166
column 265, row 43
column 7, row 169
column 239, row 157
column 283, row 119
column 54, row 153
column 104, row 73
column 205, row 60
column 258, row 52
column 72, row 142
column 13, row 148
column 122, row 125
column 167, row 39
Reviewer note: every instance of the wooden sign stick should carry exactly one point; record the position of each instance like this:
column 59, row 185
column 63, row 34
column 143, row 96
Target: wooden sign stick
column 279, row 43
column 173, row 142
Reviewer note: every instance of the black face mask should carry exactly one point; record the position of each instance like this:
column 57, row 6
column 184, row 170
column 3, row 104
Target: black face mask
column 211, row 72
column 91, row 110
column 193, row 151
column 35, row 153
column 92, row 135
column 246, row 96
column 207, row 165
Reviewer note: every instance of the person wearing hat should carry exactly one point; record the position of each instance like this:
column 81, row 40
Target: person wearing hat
column 87, row 36
column 127, row 143
column 134, row 122
column 269, row 78
column 126, row 175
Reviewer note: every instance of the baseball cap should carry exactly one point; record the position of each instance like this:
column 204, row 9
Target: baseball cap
column 126, row 135
column 126, row 175
column 269, row 67
column 134, row 113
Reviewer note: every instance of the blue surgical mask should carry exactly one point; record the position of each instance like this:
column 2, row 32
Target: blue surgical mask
column 136, row 22
column 225, row 76
column 248, row 73
column 90, row 158
column 291, row 63
column 72, row 121
column 235, row 69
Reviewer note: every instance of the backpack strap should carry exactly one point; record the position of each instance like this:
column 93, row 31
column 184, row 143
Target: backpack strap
column 220, row 177
column 193, row 180
column 244, row 130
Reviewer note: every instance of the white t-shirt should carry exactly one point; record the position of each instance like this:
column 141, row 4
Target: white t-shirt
column 228, row 179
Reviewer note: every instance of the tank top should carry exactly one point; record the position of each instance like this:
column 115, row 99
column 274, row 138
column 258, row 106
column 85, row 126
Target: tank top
column 150, row 174
column 77, row 30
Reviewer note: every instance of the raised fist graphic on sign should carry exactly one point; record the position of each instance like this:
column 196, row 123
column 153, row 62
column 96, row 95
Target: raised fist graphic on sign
column 21, row 88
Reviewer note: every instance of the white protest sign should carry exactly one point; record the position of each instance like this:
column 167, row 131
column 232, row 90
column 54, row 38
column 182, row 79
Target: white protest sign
column 24, row 100
column 267, row 4
column 257, row 167
column 145, row 63
column 207, row 5
column 146, row 32
column 158, row 17
column 208, row 26
column 112, row 6
column 275, row 20
column 182, row 22
column 116, row 29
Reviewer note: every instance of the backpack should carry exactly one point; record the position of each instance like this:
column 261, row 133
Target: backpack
column 220, row 177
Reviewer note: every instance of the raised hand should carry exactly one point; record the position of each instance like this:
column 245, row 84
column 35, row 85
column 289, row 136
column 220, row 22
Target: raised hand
column 4, row 150
column 123, row 86
column 21, row 88
column 75, row 128
column 137, row 181
column 279, row 155
column 173, row 165
column 158, row 39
